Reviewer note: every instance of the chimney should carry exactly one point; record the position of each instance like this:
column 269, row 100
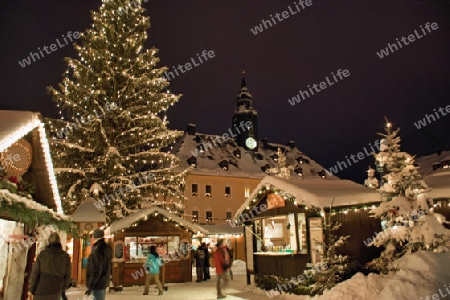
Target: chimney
column 438, row 151
column 191, row 129
column 291, row 144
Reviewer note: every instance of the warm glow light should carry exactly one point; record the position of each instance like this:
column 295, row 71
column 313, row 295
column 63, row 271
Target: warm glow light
column 49, row 164
column 12, row 138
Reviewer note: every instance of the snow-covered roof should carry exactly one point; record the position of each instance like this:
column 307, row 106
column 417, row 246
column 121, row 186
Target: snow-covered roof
column 30, row 204
column 16, row 124
column 426, row 163
column 88, row 212
column 437, row 178
column 248, row 164
column 223, row 229
column 129, row 220
column 440, row 185
column 318, row 193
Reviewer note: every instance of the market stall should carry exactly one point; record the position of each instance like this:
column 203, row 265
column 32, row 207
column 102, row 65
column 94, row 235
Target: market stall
column 29, row 199
column 283, row 222
column 133, row 235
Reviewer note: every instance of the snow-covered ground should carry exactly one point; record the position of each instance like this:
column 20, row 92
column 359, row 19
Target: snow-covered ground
column 421, row 274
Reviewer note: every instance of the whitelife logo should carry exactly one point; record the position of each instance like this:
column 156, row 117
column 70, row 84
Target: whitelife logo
column 35, row 56
column 188, row 65
column 422, row 123
column 280, row 17
column 411, row 38
column 319, row 87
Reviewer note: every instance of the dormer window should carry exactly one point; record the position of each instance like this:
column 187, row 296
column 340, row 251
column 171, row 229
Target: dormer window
column 265, row 168
column 274, row 157
column 436, row 166
column 298, row 171
column 322, row 174
column 224, row 165
column 237, row 153
column 446, row 164
column 192, row 161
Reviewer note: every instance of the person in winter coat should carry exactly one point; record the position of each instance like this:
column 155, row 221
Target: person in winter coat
column 154, row 262
column 206, row 265
column 99, row 267
column 230, row 253
column 199, row 263
column 222, row 262
column 51, row 272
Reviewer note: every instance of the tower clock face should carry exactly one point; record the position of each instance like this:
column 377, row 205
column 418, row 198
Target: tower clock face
column 250, row 143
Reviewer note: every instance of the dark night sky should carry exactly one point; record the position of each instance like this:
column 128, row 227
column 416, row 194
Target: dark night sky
column 299, row 51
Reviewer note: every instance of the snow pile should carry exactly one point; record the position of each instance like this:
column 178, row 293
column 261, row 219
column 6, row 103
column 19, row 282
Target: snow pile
column 421, row 274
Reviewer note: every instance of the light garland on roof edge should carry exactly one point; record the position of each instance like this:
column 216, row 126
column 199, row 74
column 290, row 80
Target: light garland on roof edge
column 49, row 165
column 12, row 138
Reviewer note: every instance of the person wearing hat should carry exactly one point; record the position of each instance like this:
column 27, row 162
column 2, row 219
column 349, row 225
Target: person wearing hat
column 99, row 267
column 51, row 272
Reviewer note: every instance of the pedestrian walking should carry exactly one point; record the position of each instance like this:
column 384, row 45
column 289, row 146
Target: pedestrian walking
column 199, row 263
column 154, row 262
column 99, row 267
column 51, row 272
column 206, row 266
column 230, row 253
column 222, row 262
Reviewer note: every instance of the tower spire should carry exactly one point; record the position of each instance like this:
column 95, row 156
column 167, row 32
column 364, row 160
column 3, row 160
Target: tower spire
column 243, row 84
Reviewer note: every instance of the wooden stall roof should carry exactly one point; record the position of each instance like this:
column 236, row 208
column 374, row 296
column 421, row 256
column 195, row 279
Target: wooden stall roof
column 317, row 192
column 14, row 125
column 129, row 220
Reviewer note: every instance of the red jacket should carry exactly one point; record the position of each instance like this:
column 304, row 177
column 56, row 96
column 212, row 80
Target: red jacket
column 221, row 258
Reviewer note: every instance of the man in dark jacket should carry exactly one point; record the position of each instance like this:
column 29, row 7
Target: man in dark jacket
column 199, row 263
column 206, row 266
column 51, row 271
column 99, row 267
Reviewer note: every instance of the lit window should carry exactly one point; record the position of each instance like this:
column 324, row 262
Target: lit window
column 209, row 217
column 247, row 192
column 208, row 190
column 227, row 191
column 195, row 216
column 194, row 189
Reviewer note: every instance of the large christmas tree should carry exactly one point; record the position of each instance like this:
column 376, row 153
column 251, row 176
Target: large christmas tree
column 408, row 225
column 112, row 142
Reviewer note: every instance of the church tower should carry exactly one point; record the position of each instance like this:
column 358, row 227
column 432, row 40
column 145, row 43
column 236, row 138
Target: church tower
column 244, row 115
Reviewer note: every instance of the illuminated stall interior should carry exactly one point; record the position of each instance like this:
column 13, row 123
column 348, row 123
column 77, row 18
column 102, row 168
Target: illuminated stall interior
column 133, row 235
column 283, row 222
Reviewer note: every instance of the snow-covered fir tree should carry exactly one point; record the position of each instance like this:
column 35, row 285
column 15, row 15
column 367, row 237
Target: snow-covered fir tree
column 407, row 223
column 329, row 271
column 112, row 141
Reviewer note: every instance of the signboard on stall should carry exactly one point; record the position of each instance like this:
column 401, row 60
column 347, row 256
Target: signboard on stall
column 274, row 201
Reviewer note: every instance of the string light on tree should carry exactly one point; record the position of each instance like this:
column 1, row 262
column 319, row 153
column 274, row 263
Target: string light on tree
column 120, row 144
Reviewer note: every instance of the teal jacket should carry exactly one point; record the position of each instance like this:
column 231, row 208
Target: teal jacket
column 153, row 264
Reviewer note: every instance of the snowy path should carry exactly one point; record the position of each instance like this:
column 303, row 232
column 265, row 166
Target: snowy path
column 192, row 290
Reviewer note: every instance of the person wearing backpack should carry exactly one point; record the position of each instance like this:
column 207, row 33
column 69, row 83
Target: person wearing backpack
column 199, row 263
